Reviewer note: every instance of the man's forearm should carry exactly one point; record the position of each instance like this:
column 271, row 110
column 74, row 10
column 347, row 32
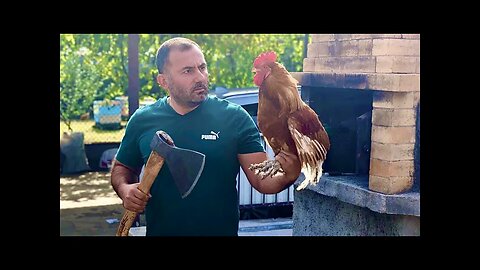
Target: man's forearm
column 272, row 185
column 122, row 175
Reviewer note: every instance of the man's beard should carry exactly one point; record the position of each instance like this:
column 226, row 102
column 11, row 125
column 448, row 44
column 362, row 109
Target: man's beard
column 190, row 97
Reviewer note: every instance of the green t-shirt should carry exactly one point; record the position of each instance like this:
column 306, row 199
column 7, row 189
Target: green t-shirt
column 217, row 128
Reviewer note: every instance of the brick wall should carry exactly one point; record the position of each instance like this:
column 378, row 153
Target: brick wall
column 391, row 65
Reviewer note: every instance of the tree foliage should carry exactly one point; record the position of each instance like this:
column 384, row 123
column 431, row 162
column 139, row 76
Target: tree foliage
column 79, row 81
column 230, row 56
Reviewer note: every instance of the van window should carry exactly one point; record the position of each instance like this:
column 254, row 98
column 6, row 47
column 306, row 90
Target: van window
column 252, row 109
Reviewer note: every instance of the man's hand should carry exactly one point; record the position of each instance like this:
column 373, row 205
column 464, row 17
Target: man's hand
column 134, row 199
column 290, row 164
column 125, row 183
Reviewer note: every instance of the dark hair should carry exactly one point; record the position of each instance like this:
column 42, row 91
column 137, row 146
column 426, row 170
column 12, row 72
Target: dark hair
column 163, row 52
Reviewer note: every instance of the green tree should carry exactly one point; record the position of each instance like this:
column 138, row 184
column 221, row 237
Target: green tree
column 79, row 81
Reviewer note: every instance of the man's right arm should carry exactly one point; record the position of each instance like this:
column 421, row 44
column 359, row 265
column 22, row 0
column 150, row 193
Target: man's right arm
column 124, row 181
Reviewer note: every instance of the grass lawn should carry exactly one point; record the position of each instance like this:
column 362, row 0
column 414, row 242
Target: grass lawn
column 92, row 134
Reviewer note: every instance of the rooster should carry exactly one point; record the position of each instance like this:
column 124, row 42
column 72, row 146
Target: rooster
column 286, row 122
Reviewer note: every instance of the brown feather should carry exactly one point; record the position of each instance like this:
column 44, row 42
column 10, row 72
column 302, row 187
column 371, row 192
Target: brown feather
column 289, row 124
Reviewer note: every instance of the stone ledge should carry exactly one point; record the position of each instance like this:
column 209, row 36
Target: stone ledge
column 368, row 81
column 334, row 80
column 354, row 190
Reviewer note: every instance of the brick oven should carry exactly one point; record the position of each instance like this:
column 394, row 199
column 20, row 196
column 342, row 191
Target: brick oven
column 366, row 90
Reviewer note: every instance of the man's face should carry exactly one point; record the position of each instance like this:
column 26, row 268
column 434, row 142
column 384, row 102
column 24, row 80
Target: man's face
column 186, row 76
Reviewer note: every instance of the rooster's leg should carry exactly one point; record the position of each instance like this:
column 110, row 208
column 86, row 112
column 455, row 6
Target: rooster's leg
column 267, row 168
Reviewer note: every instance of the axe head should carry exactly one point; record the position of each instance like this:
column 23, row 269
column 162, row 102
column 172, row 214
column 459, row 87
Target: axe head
column 185, row 165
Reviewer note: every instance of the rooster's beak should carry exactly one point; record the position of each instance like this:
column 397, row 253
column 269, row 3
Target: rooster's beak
column 254, row 69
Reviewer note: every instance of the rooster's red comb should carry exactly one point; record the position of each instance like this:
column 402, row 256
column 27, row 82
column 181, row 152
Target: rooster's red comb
column 270, row 56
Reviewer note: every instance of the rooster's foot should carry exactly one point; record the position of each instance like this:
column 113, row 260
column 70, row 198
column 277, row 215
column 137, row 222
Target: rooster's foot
column 267, row 168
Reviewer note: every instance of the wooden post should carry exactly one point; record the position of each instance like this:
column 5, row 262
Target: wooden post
column 133, row 75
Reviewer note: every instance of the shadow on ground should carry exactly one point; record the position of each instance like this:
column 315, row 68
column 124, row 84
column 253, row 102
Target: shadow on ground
column 87, row 202
column 86, row 186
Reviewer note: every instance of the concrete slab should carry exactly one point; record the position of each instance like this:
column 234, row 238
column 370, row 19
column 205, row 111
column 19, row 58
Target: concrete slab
column 254, row 227
column 283, row 232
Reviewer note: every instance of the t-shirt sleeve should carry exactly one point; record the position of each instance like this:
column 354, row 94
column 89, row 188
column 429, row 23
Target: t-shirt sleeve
column 249, row 140
column 129, row 151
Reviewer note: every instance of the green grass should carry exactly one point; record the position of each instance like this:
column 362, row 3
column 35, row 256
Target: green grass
column 92, row 134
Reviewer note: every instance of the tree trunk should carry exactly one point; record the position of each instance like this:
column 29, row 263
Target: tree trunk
column 133, row 77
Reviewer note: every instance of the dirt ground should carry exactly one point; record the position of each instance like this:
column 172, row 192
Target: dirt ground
column 87, row 203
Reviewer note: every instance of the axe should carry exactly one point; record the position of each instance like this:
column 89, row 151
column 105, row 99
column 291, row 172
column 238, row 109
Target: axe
column 185, row 165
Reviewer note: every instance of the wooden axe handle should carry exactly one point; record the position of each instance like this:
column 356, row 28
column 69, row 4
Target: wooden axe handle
column 150, row 172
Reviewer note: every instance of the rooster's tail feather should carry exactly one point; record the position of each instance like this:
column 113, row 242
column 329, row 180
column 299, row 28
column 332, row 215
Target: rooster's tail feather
column 312, row 175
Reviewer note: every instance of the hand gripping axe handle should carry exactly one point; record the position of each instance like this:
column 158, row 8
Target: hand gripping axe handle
column 185, row 166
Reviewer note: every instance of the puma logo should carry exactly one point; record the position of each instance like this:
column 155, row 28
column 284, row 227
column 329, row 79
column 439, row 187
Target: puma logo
column 212, row 136
column 216, row 134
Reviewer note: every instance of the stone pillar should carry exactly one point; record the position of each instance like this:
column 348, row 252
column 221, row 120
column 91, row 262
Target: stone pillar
column 393, row 141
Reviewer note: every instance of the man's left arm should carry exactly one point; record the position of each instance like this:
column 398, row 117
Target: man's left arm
column 271, row 185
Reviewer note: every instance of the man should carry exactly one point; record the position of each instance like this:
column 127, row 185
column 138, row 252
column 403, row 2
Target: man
column 187, row 115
